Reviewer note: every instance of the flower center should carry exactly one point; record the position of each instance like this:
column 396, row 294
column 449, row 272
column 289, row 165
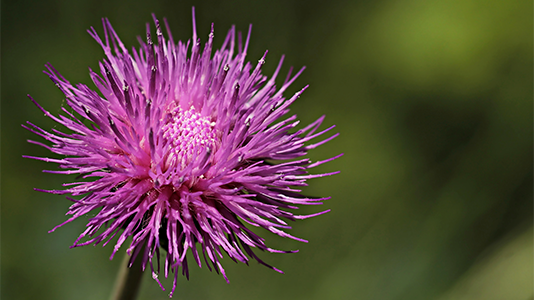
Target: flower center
column 189, row 134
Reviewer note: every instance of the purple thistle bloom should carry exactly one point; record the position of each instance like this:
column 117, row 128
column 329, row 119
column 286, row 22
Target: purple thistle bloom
column 182, row 151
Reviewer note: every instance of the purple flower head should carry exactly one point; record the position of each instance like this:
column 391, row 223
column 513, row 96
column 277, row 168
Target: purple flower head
column 181, row 149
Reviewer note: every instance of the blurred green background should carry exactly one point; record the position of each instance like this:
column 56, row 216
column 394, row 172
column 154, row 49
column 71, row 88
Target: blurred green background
column 433, row 100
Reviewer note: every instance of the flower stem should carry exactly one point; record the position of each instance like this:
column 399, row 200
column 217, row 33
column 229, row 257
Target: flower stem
column 128, row 280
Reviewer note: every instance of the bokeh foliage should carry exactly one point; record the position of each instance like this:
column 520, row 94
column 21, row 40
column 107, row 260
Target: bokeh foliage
column 433, row 100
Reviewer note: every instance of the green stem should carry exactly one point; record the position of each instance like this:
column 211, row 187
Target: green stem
column 128, row 280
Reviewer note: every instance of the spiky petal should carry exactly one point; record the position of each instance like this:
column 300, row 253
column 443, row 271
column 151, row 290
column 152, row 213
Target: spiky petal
column 181, row 150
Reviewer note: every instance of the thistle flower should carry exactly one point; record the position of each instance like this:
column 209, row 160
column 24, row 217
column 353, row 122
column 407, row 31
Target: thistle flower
column 181, row 150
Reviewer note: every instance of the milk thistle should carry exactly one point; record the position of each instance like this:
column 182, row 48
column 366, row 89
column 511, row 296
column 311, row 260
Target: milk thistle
column 181, row 149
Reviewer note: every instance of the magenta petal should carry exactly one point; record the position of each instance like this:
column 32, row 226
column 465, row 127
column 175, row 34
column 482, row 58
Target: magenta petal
column 183, row 149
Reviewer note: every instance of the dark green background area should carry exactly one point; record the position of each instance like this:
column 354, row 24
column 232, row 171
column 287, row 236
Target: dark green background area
column 433, row 100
